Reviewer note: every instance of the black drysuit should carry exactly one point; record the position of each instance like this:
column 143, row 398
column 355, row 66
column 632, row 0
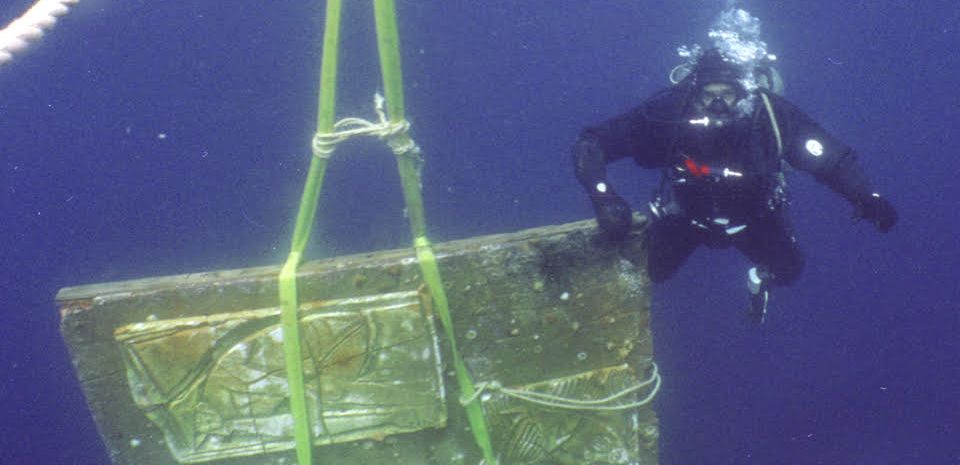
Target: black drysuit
column 721, row 186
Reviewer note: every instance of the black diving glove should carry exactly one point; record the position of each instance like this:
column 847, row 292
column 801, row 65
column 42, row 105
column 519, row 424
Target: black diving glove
column 878, row 211
column 613, row 215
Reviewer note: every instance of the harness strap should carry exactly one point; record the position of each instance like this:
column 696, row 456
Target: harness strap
column 662, row 206
column 773, row 123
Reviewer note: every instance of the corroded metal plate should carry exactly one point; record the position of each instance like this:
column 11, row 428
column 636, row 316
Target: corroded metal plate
column 188, row 368
column 216, row 385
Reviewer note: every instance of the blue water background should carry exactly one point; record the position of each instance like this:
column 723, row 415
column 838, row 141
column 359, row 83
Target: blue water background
column 146, row 138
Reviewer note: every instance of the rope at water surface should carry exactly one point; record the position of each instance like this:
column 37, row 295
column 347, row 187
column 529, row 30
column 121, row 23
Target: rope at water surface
column 17, row 36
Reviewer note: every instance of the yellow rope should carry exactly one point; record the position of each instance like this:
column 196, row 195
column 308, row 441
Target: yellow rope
column 549, row 400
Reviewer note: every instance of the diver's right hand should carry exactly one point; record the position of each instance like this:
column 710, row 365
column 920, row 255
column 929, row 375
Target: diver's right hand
column 878, row 210
column 613, row 215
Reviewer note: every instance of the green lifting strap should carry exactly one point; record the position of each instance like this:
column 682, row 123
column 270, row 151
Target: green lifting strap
column 290, row 318
column 389, row 47
column 388, row 41
column 478, row 424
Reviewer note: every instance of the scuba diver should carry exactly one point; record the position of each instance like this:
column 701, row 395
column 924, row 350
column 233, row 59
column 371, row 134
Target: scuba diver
column 722, row 138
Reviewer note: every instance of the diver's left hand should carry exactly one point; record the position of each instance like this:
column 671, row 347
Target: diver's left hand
column 878, row 211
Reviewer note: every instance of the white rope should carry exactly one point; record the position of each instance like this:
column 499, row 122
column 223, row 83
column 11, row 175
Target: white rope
column 549, row 400
column 28, row 28
column 394, row 133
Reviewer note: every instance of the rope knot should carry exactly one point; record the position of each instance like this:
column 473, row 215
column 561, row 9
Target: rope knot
column 394, row 133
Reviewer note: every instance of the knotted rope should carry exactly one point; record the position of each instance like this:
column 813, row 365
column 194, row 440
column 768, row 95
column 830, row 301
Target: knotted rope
column 395, row 133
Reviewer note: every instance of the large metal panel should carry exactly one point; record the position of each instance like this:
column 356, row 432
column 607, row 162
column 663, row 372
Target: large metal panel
column 189, row 368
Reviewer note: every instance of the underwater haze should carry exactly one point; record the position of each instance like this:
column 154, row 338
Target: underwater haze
column 150, row 138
